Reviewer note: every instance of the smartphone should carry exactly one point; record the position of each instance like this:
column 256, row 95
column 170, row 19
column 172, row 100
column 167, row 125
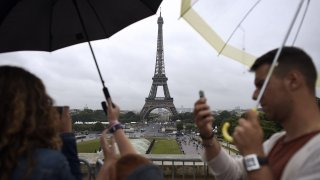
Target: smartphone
column 201, row 94
column 59, row 110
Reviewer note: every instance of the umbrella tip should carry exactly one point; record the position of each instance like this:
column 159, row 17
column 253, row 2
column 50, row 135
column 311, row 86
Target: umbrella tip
column 160, row 11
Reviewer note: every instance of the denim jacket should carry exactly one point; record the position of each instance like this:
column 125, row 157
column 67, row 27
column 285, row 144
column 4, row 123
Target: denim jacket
column 52, row 164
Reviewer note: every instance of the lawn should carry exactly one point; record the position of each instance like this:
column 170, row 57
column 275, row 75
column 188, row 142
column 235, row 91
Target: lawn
column 165, row 146
column 161, row 146
column 88, row 146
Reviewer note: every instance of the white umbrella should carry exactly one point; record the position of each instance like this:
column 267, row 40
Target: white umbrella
column 245, row 29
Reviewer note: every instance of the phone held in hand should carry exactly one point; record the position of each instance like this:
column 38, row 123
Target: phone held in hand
column 201, row 94
column 59, row 109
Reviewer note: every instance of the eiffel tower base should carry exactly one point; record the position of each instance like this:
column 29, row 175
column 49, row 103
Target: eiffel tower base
column 151, row 104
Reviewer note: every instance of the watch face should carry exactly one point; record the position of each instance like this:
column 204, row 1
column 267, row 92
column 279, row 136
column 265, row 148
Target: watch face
column 251, row 162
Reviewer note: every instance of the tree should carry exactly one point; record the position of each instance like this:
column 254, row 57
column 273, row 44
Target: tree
column 129, row 117
column 190, row 127
column 186, row 117
column 88, row 115
column 98, row 127
column 179, row 126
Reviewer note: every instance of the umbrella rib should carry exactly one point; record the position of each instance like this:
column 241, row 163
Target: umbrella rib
column 190, row 6
column 87, row 37
column 275, row 60
column 302, row 20
column 98, row 17
column 245, row 17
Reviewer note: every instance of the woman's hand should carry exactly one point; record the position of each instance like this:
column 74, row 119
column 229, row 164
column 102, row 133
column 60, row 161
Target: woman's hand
column 113, row 111
column 107, row 171
column 65, row 120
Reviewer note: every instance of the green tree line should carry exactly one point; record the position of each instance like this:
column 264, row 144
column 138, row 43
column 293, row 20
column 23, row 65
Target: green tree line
column 88, row 115
column 187, row 122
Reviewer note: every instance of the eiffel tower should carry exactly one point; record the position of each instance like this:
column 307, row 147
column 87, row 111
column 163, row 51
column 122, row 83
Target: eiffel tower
column 159, row 79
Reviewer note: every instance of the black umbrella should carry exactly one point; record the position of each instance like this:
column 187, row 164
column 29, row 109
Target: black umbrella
column 48, row 25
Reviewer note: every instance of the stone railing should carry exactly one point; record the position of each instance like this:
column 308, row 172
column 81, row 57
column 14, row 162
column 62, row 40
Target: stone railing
column 173, row 166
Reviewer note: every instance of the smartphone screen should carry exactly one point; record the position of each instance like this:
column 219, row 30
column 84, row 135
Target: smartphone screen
column 59, row 109
column 201, row 93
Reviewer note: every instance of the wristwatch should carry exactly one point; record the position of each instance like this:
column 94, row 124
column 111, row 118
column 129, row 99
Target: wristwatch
column 115, row 128
column 253, row 162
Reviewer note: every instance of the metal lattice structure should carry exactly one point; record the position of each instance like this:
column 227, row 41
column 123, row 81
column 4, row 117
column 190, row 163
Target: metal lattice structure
column 159, row 79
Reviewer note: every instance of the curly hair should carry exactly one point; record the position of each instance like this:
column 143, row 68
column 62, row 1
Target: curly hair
column 27, row 117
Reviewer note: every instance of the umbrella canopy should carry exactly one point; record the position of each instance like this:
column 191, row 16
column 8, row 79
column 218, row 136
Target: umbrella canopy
column 48, row 25
column 244, row 29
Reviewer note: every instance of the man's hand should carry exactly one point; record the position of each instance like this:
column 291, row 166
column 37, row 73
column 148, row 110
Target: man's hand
column 203, row 117
column 248, row 135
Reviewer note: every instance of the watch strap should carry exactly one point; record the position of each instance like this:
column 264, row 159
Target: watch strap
column 115, row 127
column 207, row 137
column 262, row 160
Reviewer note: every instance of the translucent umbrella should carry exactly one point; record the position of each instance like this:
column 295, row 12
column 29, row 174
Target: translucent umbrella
column 244, row 29
column 241, row 29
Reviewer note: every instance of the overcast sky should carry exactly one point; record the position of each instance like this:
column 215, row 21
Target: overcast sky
column 127, row 59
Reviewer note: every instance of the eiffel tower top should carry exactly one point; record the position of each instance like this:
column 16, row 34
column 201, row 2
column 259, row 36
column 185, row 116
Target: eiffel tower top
column 159, row 69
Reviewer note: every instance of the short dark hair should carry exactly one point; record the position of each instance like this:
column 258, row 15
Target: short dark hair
column 290, row 58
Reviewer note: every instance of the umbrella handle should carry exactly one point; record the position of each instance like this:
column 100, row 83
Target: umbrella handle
column 104, row 107
column 106, row 93
column 107, row 96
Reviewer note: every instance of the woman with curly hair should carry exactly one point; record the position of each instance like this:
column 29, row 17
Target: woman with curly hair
column 32, row 133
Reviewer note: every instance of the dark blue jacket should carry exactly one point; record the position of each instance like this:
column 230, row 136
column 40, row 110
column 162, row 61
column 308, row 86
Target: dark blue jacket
column 52, row 164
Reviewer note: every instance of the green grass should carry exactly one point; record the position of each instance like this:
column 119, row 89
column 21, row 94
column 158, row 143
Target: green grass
column 161, row 146
column 165, row 146
column 88, row 146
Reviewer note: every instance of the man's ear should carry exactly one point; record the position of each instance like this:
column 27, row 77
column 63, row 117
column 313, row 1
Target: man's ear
column 294, row 80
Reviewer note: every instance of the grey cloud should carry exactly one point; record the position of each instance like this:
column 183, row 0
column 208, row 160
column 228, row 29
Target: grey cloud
column 127, row 61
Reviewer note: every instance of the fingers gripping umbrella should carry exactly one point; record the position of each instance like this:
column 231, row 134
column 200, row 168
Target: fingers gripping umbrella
column 49, row 25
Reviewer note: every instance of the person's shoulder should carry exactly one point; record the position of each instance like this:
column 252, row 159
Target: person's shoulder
column 49, row 157
column 276, row 136
column 314, row 142
column 268, row 144
column 46, row 152
column 48, row 163
column 146, row 172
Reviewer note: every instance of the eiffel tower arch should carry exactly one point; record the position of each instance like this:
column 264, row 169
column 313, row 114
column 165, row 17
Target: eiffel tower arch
column 159, row 79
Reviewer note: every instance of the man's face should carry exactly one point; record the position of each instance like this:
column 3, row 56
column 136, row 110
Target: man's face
column 274, row 101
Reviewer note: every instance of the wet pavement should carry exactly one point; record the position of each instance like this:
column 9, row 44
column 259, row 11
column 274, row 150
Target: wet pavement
column 190, row 144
